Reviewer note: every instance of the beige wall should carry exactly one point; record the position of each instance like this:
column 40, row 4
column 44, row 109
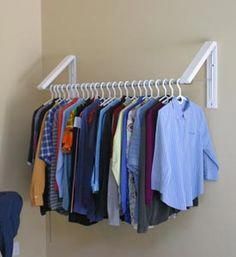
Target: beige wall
column 20, row 54
column 149, row 39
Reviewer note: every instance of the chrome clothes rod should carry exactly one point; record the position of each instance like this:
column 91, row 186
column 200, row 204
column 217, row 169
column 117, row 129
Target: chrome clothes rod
column 207, row 53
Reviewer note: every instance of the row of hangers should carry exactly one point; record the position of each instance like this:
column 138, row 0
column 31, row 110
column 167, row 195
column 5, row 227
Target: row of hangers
column 69, row 91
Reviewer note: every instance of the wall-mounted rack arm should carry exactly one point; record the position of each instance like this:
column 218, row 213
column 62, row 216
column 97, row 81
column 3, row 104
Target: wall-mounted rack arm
column 207, row 53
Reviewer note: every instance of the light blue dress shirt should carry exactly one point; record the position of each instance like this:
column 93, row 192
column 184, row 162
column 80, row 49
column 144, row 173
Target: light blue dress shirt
column 184, row 155
column 95, row 175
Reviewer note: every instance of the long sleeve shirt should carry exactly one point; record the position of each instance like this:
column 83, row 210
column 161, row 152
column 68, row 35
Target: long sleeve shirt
column 184, row 155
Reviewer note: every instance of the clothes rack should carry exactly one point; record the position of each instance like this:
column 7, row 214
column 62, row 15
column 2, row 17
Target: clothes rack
column 136, row 156
column 207, row 53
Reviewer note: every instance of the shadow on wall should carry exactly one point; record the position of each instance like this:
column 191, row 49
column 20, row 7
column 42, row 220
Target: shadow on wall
column 22, row 99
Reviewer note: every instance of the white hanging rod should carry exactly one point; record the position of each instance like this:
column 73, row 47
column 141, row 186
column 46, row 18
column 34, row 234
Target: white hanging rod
column 208, row 52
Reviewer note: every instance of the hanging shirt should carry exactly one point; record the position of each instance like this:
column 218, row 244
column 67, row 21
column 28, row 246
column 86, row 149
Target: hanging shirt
column 113, row 205
column 46, row 150
column 60, row 161
column 73, row 216
column 38, row 176
column 53, row 197
column 124, row 189
column 116, row 151
column 151, row 118
column 35, row 129
column 132, row 189
column 103, row 198
column 31, row 151
column 96, row 169
column 183, row 155
column 83, row 197
column 134, row 148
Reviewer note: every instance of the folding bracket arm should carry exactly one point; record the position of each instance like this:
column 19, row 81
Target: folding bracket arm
column 207, row 53
column 68, row 62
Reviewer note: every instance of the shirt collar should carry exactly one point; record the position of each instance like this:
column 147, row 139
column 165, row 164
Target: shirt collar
column 182, row 110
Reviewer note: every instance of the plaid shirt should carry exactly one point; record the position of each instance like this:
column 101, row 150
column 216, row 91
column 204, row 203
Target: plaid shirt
column 47, row 149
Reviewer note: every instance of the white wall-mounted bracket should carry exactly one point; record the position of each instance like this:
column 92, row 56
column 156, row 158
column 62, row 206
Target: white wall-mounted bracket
column 207, row 53
column 69, row 62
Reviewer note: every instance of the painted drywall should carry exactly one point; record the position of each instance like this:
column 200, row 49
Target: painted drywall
column 20, row 71
column 119, row 40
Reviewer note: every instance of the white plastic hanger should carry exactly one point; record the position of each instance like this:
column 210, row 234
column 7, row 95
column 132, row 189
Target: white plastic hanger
column 165, row 90
column 82, row 89
column 157, row 87
column 67, row 87
column 180, row 97
column 96, row 86
column 109, row 94
column 114, row 93
column 150, row 83
column 103, row 91
column 145, row 88
column 132, row 86
column 126, row 89
column 77, row 91
column 86, row 85
column 119, row 87
column 91, row 89
column 52, row 95
column 59, row 92
column 140, row 82
column 171, row 88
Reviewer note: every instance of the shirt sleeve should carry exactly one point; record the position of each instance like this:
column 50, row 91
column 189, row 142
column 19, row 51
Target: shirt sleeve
column 46, row 150
column 161, row 165
column 210, row 163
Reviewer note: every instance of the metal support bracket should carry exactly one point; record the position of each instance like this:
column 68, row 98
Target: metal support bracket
column 207, row 53
column 68, row 62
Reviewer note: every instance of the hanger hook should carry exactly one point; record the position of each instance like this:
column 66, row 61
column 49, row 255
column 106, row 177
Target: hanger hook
column 77, row 90
column 51, row 92
column 157, row 86
column 126, row 88
column 163, row 85
column 113, row 88
column 179, row 88
column 145, row 87
column 119, row 87
column 139, row 87
column 132, row 85
column 96, row 89
column 86, row 90
column 108, row 84
column 82, row 90
column 102, row 89
column 170, row 85
column 73, row 90
column 150, row 83
column 58, row 91
column 55, row 91
column 67, row 88
column 90, row 87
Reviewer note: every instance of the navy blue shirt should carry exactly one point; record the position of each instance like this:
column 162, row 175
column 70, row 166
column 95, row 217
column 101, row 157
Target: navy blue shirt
column 83, row 198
